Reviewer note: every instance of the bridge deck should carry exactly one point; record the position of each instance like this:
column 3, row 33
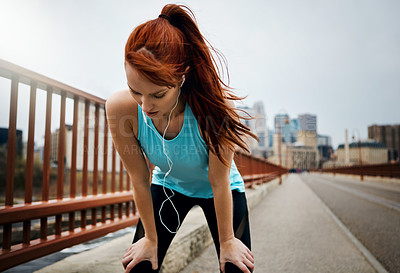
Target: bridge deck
column 291, row 232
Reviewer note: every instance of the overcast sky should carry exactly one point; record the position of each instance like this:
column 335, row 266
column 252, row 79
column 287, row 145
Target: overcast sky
column 339, row 60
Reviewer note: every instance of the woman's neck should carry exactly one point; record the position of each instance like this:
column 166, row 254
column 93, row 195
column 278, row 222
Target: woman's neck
column 179, row 109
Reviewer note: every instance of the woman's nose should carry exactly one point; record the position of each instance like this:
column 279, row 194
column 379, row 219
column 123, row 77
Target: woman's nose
column 146, row 104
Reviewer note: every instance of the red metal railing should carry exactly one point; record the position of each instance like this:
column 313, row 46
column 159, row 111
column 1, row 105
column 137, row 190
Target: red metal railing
column 60, row 225
column 257, row 170
column 383, row 170
column 52, row 224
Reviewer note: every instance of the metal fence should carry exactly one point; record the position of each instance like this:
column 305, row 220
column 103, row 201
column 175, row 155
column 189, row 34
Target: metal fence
column 81, row 203
column 52, row 224
column 255, row 170
column 383, row 170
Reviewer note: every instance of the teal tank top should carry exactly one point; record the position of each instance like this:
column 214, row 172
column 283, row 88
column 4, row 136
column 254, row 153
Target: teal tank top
column 189, row 154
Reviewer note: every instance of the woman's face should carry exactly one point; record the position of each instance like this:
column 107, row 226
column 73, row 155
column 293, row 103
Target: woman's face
column 156, row 101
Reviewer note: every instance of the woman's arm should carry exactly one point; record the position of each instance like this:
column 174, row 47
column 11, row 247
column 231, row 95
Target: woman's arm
column 231, row 249
column 122, row 119
column 218, row 175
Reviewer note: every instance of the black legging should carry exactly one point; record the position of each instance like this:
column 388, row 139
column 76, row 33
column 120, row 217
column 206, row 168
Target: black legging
column 183, row 204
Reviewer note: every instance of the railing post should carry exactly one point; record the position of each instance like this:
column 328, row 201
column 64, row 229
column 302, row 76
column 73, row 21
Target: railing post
column 61, row 150
column 30, row 147
column 11, row 152
column 105, row 155
column 121, row 176
column 113, row 167
column 72, row 191
column 85, row 150
column 12, row 142
column 47, row 143
column 60, row 163
column 94, row 217
column 96, row 150
column 105, row 167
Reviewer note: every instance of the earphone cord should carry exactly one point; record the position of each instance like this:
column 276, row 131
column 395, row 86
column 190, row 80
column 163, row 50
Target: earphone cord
column 170, row 164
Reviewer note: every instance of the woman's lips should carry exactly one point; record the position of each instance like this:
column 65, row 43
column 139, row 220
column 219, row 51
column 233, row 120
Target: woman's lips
column 150, row 114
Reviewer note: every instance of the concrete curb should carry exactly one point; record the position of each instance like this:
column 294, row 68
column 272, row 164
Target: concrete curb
column 192, row 238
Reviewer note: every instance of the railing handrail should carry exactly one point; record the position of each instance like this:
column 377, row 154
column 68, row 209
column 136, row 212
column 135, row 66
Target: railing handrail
column 364, row 165
column 383, row 170
column 36, row 210
column 26, row 76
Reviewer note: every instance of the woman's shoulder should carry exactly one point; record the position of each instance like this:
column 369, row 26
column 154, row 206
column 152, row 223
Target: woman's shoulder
column 121, row 103
column 120, row 106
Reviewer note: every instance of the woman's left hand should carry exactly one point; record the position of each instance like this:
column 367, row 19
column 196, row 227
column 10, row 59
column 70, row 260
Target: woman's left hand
column 235, row 252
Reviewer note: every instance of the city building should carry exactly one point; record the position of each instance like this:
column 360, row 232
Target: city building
column 4, row 140
column 324, row 140
column 302, row 154
column 298, row 143
column 249, row 121
column 325, row 149
column 270, row 137
column 258, row 125
column 282, row 125
column 307, row 138
column 308, row 122
column 369, row 152
column 390, row 136
column 294, row 128
column 302, row 157
column 289, row 128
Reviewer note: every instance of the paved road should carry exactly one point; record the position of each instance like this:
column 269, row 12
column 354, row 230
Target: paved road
column 292, row 232
column 370, row 210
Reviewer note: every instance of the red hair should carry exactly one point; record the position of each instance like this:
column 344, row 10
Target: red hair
column 162, row 49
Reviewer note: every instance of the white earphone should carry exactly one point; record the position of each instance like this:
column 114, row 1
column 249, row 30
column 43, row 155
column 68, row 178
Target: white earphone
column 183, row 81
column 169, row 161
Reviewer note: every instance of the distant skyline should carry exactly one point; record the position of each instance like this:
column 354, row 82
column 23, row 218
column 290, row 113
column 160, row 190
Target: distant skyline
column 338, row 60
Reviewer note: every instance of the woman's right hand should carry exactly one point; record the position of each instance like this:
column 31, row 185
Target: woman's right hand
column 144, row 249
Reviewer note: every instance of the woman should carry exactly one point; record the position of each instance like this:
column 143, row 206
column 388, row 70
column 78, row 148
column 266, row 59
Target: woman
column 180, row 115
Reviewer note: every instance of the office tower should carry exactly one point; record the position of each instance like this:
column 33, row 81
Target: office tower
column 308, row 122
column 390, row 136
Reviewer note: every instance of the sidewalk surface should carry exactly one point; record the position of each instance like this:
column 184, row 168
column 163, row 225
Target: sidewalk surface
column 291, row 232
